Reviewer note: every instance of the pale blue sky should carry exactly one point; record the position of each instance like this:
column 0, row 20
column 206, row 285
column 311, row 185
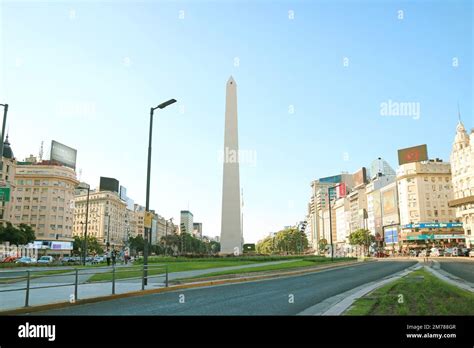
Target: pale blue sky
column 86, row 73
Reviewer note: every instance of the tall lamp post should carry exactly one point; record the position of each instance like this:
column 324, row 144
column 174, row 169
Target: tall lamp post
column 84, row 186
column 5, row 111
column 148, row 171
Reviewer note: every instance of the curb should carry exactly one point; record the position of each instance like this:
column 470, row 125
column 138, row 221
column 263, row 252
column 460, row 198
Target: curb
column 59, row 305
column 350, row 296
column 449, row 278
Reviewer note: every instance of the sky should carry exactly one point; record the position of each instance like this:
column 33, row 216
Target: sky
column 311, row 76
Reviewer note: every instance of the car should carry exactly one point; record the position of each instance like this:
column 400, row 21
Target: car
column 424, row 253
column 471, row 253
column 9, row 259
column 45, row 260
column 71, row 260
column 434, row 252
column 448, row 252
column 99, row 259
column 456, row 251
column 26, row 260
column 464, row 252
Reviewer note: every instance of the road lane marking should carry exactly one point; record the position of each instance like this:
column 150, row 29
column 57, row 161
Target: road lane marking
column 339, row 303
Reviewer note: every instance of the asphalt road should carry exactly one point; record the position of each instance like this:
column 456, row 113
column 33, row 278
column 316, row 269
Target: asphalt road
column 267, row 297
column 463, row 269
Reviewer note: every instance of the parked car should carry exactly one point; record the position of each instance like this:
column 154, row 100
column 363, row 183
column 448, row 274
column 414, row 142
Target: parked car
column 424, row 253
column 450, row 252
column 414, row 253
column 46, row 260
column 9, row 259
column 471, row 253
column 434, row 252
column 464, row 252
column 26, row 260
column 71, row 260
column 99, row 259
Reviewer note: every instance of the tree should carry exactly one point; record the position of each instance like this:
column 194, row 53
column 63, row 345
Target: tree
column 137, row 243
column 288, row 241
column 22, row 235
column 323, row 243
column 265, row 246
column 362, row 237
column 93, row 245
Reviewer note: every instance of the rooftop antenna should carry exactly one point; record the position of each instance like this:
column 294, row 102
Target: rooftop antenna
column 41, row 151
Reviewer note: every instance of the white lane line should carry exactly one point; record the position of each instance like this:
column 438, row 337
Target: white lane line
column 450, row 278
column 341, row 302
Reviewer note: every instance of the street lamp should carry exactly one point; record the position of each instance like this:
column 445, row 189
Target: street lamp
column 84, row 186
column 5, row 111
column 147, row 205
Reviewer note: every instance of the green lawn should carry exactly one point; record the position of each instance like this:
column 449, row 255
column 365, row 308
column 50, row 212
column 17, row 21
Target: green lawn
column 33, row 275
column 136, row 271
column 280, row 266
column 188, row 265
column 420, row 293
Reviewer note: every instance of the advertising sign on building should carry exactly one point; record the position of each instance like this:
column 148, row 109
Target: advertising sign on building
column 413, row 154
column 63, row 154
column 341, row 190
column 123, row 193
column 109, row 184
column 434, row 225
column 360, row 177
column 61, row 245
column 391, row 235
column 389, row 202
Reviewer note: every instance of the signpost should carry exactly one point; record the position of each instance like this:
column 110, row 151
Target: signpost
column 4, row 194
column 148, row 219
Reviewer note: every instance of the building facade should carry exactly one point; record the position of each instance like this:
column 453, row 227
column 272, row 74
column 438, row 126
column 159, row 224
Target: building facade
column 318, row 206
column 44, row 199
column 107, row 220
column 462, row 170
column 424, row 190
column 186, row 222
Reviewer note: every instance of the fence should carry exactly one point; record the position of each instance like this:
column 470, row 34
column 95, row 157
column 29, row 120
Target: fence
column 146, row 273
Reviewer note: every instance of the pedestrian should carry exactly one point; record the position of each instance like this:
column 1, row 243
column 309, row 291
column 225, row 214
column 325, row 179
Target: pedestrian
column 107, row 255
column 114, row 255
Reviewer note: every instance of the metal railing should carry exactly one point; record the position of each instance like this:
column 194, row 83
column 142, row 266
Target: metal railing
column 117, row 274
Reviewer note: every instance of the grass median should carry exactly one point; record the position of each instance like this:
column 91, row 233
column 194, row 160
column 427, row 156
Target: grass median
column 33, row 275
column 190, row 265
column 306, row 263
column 418, row 293
column 137, row 271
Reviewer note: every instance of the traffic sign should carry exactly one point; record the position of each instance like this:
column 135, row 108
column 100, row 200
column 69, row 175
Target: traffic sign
column 5, row 194
column 148, row 219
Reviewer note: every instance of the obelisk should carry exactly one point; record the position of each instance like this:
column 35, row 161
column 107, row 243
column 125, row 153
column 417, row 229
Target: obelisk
column 231, row 232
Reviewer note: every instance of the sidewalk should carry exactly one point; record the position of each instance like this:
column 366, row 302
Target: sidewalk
column 16, row 299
